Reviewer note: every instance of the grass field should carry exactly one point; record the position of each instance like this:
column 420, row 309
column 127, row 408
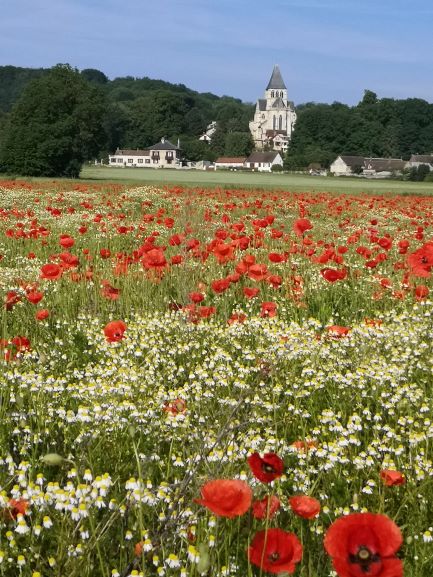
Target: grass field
column 293, row 182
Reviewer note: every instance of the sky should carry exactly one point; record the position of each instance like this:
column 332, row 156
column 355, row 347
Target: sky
column 327, row 50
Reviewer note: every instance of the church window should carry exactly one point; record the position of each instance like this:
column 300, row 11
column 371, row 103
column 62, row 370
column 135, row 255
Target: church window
column 275, row 123
column 280, row 123
column 272, row 94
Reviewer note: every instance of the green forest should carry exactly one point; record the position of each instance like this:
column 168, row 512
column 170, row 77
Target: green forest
column 53, row 120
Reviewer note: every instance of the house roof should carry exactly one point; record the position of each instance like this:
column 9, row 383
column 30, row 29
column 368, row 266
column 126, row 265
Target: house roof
column 263, row 156
column 276, row 80
column 424, row 158
column 230, row 160
column 131, row 152
column 353, row 160
column 384, row 164
column 163, row 145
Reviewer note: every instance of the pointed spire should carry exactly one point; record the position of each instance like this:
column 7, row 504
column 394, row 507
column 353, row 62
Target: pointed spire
column 276, row 81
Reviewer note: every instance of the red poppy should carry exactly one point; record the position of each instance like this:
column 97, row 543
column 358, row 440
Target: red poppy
column 66, row 241
column 266, row 468
column 114, row 331
column 268, row 309
column 196, row 297
column 154, row 259
column 11, row 299
column 17, row 507
column 175, row 407
column 35, row 297
column 392, row 478
column 257, row 272
column 220, row 285
column 237, row 318
column 301, row 225
column 250, row 292
column 421, row 261
column 226, row 497
column 364, row 544
column 105, row 253
column 304, row 446
column 332, row 275
column 275, row 551
column 42, row 314
column 305, row 506
column 337, row 331
column 421, row 292
column 51, row 271
column 266, row 507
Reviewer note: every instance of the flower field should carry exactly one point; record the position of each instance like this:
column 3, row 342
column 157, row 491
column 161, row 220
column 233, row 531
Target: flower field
column 214, row 382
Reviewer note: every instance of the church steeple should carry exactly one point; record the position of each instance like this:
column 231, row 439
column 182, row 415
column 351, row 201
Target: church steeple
column 276, row 82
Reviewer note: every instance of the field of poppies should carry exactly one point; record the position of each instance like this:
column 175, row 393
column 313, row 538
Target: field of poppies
column 209, row 382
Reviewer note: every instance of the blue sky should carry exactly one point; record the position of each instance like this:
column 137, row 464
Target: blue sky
column 327, row 50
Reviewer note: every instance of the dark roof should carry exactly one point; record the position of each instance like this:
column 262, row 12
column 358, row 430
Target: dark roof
column 278, row 103
column 384, row 164
column 164, row 145
column 131, row 152
column 424, row 158
column 272, row 133
column 276, row 80
column 262, row 157
column 353, row 160
column 230, row 159
column 262, row 104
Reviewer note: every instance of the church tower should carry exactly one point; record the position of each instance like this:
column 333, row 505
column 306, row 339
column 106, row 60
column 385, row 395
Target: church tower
column 275, row 116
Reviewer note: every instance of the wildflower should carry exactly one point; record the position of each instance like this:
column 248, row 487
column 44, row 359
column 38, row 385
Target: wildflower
column 266, row 468
column 392, row 478
column 226, row 497
column 114, row 331
column 305, row 506
column 275, row 551
column 266, row 507
column 364, row 544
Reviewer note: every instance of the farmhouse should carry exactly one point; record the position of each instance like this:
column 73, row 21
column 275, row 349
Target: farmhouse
column 274, row 117
column 230, row 162
column 418, row 159
column 346, row 165
column 163, row 154
column 263, row 161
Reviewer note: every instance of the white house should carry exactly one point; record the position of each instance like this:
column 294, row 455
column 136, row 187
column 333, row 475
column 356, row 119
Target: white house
column 230, row 162
column 164, row 154
column 129, row 157
column 418, row 159
column 210, row 129
column 345, row 165
column 263, row 161
column 274, row 117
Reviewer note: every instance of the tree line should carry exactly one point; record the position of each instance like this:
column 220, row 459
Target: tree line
column 373, row 128
column 53, row 120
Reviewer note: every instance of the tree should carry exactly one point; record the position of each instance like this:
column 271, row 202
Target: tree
column 55, row 126
column 238, row 144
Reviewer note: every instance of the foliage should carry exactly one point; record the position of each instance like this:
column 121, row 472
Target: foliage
column 55, row 126
column 375, row 127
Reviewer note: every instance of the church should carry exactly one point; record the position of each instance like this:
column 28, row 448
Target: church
column 275, row 116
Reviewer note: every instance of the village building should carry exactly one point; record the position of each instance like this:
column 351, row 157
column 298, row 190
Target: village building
column 377, row 167
column 230, row 162
column 346, row 165
column 263, row 161
column 418, row 159
column 164, row 154
column 210, row 129
column 274, row 117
